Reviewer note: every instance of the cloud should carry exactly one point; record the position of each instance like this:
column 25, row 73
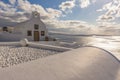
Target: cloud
column 84, row 3
column 106, row 24
column 67, row 6
column 110, row 28
column 12, row 1
column 105, row 18
column 53, row 13
column 71, row 26
column 20, row 10
column 24, row 5
column 111, row 11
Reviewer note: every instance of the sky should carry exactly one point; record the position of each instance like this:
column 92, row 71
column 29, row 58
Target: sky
column 78, row 16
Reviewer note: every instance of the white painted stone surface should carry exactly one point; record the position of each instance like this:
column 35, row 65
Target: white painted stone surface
column 81, row 64
column 24, row 42
column 5, row 37
column 14, row 55
column 49, row 47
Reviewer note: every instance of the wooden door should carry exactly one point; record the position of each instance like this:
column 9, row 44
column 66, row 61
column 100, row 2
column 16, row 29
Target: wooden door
column 36, row 36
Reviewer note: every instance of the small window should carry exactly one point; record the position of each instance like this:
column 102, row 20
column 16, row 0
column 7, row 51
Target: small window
column 5, row 29
column 36, row 26
column 42, row 33
column 29, row 33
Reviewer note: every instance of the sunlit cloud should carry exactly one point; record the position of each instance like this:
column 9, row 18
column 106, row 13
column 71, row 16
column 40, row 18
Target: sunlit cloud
column 16, row 11
column 84, row 3
column 12, row 1
column 67, row 6
column 23, row 9
column 20, row 10
column 53, row 13
column 71, row 26
column 111, row 11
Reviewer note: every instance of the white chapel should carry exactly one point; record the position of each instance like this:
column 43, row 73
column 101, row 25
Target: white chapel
column 33, row 29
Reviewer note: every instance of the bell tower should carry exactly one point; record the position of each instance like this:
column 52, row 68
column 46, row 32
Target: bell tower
column 35, row 14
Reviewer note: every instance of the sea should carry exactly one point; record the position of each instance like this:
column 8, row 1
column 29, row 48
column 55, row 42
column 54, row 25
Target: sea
column 109, row 43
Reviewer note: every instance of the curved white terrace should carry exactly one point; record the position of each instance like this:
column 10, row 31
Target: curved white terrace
column 85, row 63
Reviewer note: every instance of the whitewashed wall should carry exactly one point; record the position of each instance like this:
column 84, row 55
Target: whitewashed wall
column 5, row 36
column 23, row 27
column 29, row 25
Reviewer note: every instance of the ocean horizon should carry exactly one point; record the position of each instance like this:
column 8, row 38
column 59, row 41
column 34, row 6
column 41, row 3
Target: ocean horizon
column 109, row 43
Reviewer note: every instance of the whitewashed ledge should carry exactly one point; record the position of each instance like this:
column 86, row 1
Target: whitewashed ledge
column 49, row 47
column 9, row 43
column 36, row 45
column 87, row 63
